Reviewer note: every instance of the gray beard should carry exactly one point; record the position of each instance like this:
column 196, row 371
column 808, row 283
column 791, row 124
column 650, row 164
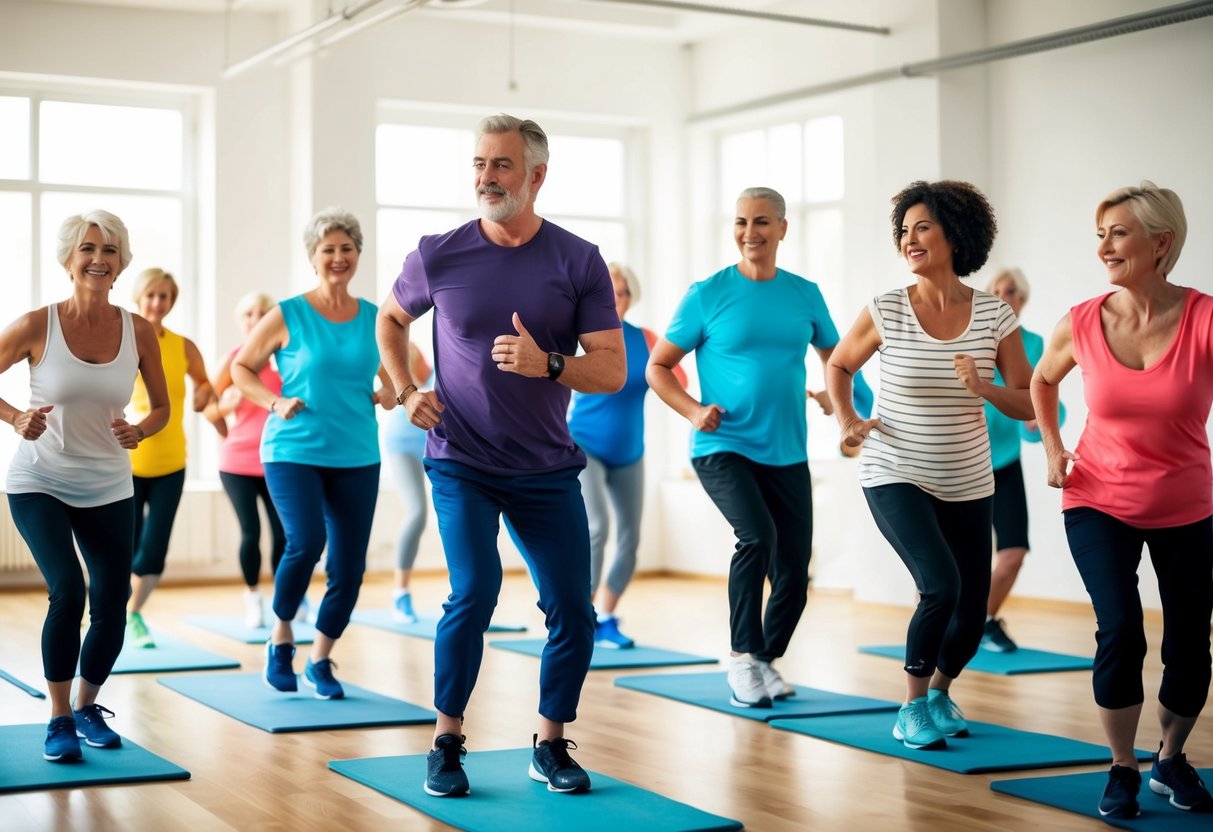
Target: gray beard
column 509, row 207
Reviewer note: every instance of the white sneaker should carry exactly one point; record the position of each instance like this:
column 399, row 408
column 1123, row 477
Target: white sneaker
column 774, row 683
column 745, row 683
column 254, row 612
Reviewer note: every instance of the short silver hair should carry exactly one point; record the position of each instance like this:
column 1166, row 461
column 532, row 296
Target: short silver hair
column 535, row 140
column 75, row 227
column 327, row 221
column 1158, row 210
column 1017, row 280
column 629, row 277
column 255, row 300
column 770, row 195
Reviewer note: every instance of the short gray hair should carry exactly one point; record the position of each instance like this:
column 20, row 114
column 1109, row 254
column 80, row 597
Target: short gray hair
column 327, row 221
column 1017, row 280
column 1158, row 210
column 75, row 227
column 534, row 138
column 255, row 300
column 629, row 277
column 770, row 195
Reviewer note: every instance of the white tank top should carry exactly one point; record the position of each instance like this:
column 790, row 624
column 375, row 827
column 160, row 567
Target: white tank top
column 78, row 460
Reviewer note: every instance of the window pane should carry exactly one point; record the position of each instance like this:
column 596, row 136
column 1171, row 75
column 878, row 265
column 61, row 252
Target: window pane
column 783, row 161
column 154, row 226
column 16, row 243
column 743, row 164
column 823, row 157
column 109, row 146
column 396, row 235
column 14, row 138
column 586, row 177
column 424, row 166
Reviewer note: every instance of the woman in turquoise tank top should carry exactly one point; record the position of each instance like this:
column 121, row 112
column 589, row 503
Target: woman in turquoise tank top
column 320, row 446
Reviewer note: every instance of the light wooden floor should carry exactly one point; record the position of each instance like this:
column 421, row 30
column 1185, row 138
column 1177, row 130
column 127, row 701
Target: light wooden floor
column 773, row 781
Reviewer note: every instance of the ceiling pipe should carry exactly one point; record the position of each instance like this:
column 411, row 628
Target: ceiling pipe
column 1165, row 16
column 753, row 14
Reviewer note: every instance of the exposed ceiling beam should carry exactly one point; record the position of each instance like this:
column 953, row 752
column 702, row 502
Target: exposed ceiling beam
column 775, row 17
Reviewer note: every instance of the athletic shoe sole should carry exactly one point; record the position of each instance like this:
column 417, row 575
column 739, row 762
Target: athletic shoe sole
column 1163, row 790
column 425, row 784
column 70, row 757
column 537, row 775
column 111, row 744
column 900, row 737
column 765, row 702
column 316, row 690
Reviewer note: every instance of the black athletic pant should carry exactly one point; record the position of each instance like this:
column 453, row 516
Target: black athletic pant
column 243, row 491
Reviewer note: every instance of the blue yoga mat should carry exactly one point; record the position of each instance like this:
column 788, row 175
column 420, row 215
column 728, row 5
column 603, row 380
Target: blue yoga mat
column 505, row 799
column 426, row 626
column 711, row 690
column 233, row 627
column 1080, row 793
column 987, row 748
column 23, row 769
column 245, row 696
column 1015, row 663
column 607, row 658
column 169, row 655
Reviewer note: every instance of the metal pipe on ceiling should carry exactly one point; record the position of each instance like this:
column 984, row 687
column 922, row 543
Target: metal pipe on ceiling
column 753, row 14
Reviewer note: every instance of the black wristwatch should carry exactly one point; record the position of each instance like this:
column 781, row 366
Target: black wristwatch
column 555, row 365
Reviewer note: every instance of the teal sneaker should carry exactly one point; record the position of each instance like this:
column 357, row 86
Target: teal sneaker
column 915, row 728
column 137, row 634
column 402, row 609
column 946, row 714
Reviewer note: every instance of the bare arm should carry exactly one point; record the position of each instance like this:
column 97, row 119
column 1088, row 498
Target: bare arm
column 392, row 332
column 1054, row 366
column 206, row 400
column 17, row 343
column 602, row 369
column 150, row 368
column 847, row 359
column 661, row 376
column 1013, row 399
column 822, row 397
column 270, row 334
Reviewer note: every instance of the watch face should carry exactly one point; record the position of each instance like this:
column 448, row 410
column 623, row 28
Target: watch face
column 555, row 364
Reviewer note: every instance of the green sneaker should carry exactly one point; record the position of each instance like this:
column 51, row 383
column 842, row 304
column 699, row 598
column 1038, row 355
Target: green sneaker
column 136, row 631
column 946, row 714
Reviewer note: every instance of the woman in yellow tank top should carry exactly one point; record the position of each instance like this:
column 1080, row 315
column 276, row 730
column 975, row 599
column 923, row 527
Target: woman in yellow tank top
column 158, row 464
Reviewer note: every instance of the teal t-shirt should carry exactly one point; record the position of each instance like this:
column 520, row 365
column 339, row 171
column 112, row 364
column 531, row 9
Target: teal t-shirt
column 750, row 338
column 1005, row 432
column 331, row 368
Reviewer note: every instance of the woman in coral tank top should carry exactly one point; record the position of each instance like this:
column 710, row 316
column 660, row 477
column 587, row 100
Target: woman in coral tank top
column 1141, row 475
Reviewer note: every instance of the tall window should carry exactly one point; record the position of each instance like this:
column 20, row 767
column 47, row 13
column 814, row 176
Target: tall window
column 802, row 160
column 63, row 155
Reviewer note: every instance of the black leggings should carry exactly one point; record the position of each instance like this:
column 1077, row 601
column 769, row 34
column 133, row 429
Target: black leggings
column 771, row 511
column 156, row 501
column 946, row 547
column 243, row 491
column 1107, row 553
column 105, row 535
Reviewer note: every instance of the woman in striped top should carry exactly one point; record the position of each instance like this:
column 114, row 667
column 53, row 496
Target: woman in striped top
column 925, row 466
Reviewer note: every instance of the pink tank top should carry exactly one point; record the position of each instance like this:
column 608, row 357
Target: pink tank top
column 1144, row 452
column 240, row 452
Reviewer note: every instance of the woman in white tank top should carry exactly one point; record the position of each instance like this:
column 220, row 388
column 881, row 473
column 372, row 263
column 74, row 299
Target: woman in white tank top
column 71, row 477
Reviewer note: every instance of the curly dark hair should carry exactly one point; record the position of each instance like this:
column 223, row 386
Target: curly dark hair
column 962, row 211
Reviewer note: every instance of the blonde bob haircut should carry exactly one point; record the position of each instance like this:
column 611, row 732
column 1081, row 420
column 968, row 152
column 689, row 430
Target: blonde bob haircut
column 255, row 300
column 1017, row 280
column 629, row 277
column 147, row 277
column 1157, row 210
column 75, row 227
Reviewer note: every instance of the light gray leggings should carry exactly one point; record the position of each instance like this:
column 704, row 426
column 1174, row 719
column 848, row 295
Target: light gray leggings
column 625, row 488
column 409, row 476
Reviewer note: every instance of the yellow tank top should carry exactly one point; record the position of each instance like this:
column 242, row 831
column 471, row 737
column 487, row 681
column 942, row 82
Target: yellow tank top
column 163, row 453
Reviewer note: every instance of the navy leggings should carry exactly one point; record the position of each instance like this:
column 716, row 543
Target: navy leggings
column 1107, row 553
column 946, row 547
column 105, row 535
column 771, row 511
column 243, row 491
column 320, row 506
column 548, row 515
column 156, row 501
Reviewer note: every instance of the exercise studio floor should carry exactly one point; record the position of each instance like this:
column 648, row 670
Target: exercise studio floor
column 773, row 781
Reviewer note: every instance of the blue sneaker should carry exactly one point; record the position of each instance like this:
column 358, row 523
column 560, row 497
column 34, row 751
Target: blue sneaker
column 279, row 674
column 402, row 609
column 551, row 764
column 62, row 745
column 946, row 714
column 91, row 727
column 606, row 634
column 1120, row 795
column 444, row 775
column 1175, row 778
column 319, row 677
column 915, row 728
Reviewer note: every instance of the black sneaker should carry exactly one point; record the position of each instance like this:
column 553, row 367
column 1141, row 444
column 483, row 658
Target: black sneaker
column 444, row 776
column 91, row 727
column 552, row 764
column 995, row 638
column 1120, row 795
column 1176, row 778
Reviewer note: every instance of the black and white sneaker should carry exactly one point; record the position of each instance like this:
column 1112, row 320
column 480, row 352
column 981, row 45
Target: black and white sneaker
column 995, row 638
column 444, row 775
column 551, row 764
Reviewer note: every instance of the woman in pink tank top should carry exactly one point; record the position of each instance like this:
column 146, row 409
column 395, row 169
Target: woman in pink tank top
column 1141, row 475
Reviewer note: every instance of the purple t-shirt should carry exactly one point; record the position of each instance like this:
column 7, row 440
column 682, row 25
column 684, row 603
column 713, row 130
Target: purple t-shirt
column 497, row 422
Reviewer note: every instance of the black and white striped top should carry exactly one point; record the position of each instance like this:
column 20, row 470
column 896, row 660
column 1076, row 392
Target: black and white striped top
column 935, row 430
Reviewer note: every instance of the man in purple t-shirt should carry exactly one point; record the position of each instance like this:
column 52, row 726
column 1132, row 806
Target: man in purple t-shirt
column 513, row 295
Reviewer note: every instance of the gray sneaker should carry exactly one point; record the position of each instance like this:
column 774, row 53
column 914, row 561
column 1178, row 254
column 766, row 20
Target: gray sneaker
column 745, row 683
